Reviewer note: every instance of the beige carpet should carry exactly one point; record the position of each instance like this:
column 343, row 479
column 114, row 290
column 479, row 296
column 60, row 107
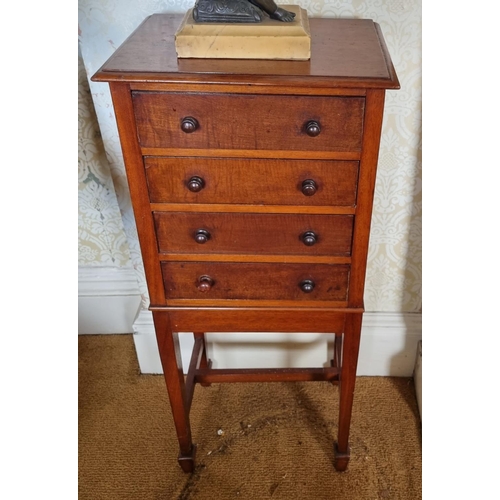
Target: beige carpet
column 275, row 439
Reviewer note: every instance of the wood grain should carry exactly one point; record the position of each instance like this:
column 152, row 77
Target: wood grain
column 350, row 350
column 252, row 209
column 367, row 177
column 120, row 93
column 282, row 258
column 255, row 281
column 253, row 233
column 266, row 375
column 256, row 320
column 245, row 89
column 240, row 121
column 345, row 53
column 253, row 153
column 249, row 181
column 170, row 356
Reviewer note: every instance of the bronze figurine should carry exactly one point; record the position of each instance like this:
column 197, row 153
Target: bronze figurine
column 239, row 11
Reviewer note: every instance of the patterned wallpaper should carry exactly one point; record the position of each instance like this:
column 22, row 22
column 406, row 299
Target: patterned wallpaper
column 101, row 237
column 394, row 266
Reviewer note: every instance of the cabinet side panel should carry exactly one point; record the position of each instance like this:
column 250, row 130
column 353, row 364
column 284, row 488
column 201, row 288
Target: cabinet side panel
column 122, row 102
column 374, row 110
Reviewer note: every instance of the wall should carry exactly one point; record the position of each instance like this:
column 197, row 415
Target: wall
column 101, row 237
column 393, row 282
column 108, row 292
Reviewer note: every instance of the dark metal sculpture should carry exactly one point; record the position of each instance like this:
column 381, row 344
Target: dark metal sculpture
column 239, row 11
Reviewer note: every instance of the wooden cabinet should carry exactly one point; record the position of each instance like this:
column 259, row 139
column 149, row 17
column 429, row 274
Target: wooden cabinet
column 252, row 186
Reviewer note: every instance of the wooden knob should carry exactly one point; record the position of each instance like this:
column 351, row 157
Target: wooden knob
column 309, row 238
column 201, row 236
column 307, row 286
column 195, row 184
column 313, row 128
column 189, row 124
column 205, row 283
column 309, row 187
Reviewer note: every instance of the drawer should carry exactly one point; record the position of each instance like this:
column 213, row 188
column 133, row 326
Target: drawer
column 230, row 233
column 255, row 281
column 240, row 121
column 251, row 181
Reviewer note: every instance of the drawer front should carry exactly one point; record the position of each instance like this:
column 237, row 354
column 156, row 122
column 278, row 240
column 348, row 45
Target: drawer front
column 243, row 181
column 255, row 281
column 297, row 234
column 253, row 122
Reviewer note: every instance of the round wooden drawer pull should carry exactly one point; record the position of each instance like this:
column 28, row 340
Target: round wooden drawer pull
column 309, row 187
column 309, row 238
column 196, row 184
column 205, row 283
column 201, row 236
column 307, row 286
column 189, row 124
column 313, row 128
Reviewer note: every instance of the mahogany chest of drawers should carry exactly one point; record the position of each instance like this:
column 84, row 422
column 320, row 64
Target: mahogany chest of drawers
column 252, row 186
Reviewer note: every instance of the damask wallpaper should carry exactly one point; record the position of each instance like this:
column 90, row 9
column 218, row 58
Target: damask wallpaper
column 394, row 266
column 101, row 237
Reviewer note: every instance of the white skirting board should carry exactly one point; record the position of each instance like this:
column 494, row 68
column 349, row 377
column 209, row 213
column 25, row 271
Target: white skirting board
column 388, row 346
column 108, row 299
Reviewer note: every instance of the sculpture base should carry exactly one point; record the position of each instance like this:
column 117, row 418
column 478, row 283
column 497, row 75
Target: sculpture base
column 269, row 39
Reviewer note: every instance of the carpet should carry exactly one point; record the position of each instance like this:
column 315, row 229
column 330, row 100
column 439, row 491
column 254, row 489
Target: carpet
column 255, row 441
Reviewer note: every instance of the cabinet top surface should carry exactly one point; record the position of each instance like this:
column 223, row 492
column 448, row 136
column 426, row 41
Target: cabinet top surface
column 344, row 53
